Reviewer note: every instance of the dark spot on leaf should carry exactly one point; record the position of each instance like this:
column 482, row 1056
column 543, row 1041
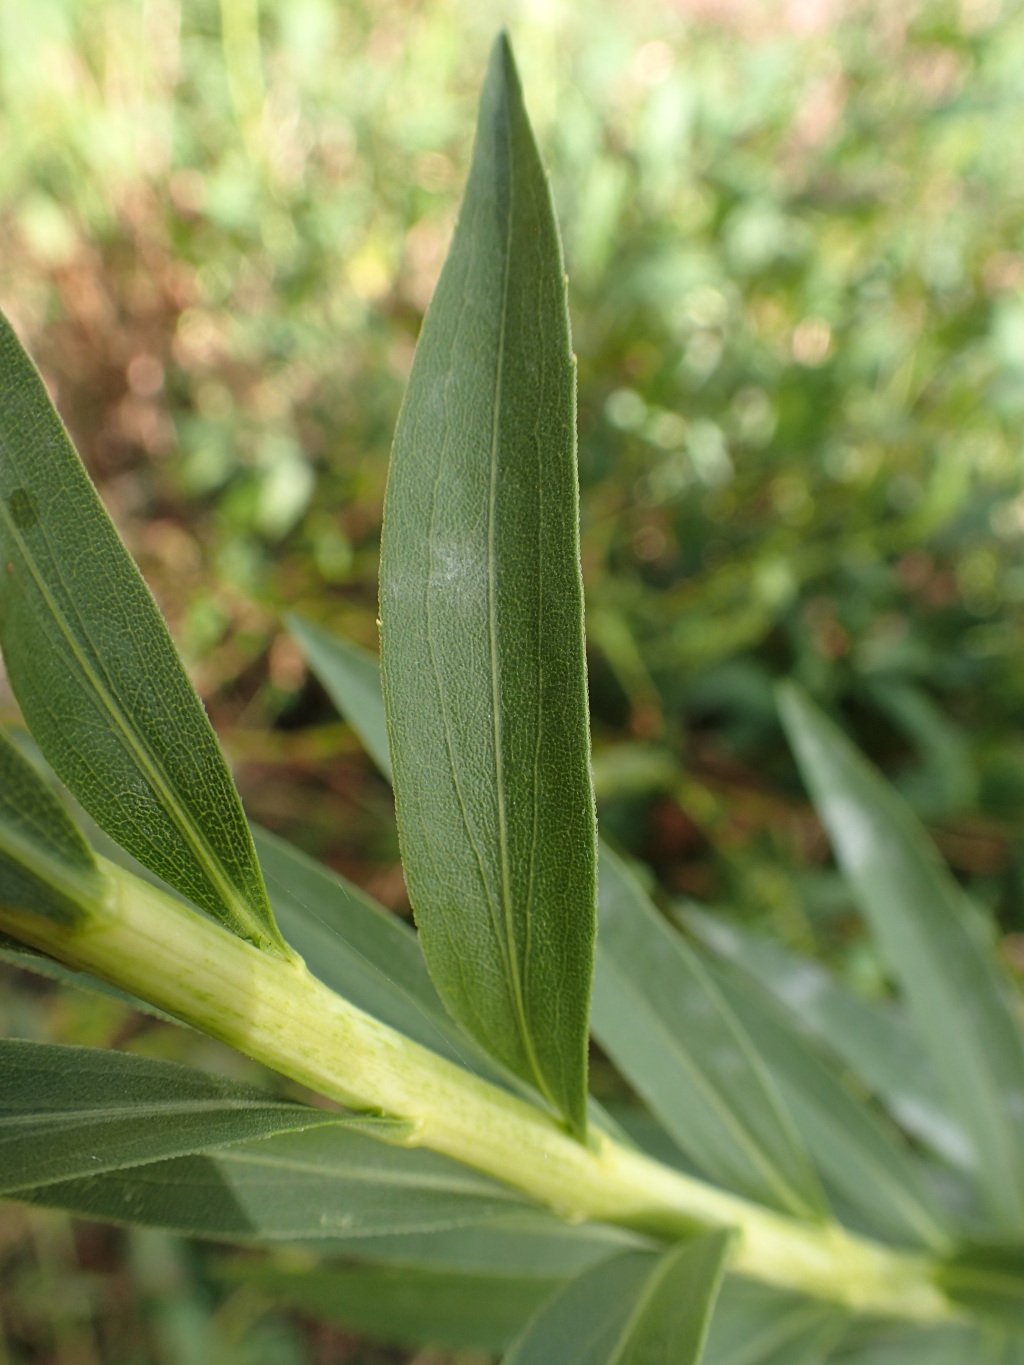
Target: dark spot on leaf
column 24, row 511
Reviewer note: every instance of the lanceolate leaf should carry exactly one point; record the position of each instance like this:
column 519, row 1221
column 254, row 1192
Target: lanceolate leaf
column 955, row 991
column 46, row 867
column 97, row 676
column 327, row 1182
column 528, row 1243
column 670, row 1325
column 666, row 1026
column 73, row 1111
column 863, row 1159
column 29, row 960
column 408, row 1306
column 633, row 1310
column 482, row 626
column 352, row 680
column 923, row 1346
column 874, row 1041
column 755, row 1325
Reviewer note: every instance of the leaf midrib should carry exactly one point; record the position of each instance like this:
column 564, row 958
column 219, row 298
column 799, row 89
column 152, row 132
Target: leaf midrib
column 733, row 1124
column 147, row 762
column 28, row 854
column 95, row 1114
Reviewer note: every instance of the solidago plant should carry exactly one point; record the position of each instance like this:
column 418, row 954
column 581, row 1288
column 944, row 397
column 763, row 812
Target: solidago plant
column 815, row 1178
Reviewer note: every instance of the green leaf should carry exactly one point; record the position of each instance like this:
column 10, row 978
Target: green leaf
column 408, row 1306
column 15, row 955
column 876, row 1042
column 959, row 1001
column 72, row 1111
column 987, row 1277
column 919, row 1346
column 755, row 1325
column 326, row 1182
column 96, row 674
column 482, row 647
column 862, row 1158
column 666, row 1026
column 530, row 1242
column 46, row 867
column 351, row 678
column 632, row 1310
column 670, row 1324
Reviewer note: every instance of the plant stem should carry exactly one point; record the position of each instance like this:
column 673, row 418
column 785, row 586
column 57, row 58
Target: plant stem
column 148, row 943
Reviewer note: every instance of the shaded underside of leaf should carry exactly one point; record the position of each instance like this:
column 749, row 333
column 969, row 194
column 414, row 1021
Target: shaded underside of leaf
column 529, row 1242
column 409, row 1306
column 322, row 1183
column 15, row 955
column 670, row 1323
column 584, row 1324
column 636, row 1309
column 482, row 648
column 97, row 676
column 46, row 867
column 756, row 1325
column 919, row 1346
column 66, row 1112
column 875, row 1041
column 666, row 1026
column 953, row 986
column 866, row 1160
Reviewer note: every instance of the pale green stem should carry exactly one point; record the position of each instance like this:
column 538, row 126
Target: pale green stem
column 148, row 943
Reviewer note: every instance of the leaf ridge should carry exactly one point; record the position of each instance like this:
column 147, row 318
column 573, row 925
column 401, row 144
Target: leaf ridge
column 210, row 862
column 723, row 1111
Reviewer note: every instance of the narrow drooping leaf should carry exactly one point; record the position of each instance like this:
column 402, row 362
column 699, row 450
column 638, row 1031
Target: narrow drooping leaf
column 920, row 1346
column 96, row 674
column 351, row 679
column 666, row 1026
column 29, row 960
column 865, row 1160
column 482, row 626
column 530, row 1242
column 988, row 1279
column 875, row 1042
column 326, row 1182
column 955, row 991
column 670, row 1325
column 633, row 1310
column 66, row 1112
column 756, row 1325
column 409, row 1306
column 46, row 867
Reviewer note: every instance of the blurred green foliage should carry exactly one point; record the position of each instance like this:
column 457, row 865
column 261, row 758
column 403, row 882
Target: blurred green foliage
column 795, row 240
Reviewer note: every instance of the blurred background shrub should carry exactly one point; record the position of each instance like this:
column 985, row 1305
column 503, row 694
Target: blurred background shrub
column 795, row 240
